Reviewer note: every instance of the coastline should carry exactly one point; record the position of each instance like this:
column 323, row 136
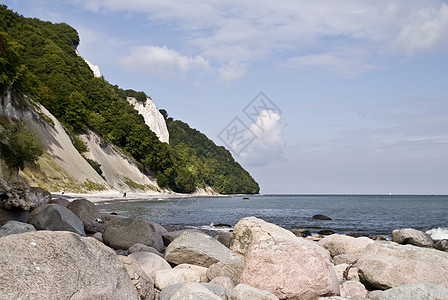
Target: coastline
column 114, row 196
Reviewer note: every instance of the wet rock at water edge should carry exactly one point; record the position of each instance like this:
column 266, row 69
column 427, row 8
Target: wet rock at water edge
column 322, row 217
column 301, row 232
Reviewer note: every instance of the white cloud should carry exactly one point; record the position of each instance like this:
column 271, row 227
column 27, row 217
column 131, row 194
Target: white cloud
column 269, row 142
column 161, row 61
column 424, row 30
column 248, row 31
column 231, row 72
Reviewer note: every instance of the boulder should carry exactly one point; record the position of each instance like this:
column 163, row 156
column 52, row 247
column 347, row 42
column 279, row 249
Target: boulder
column 150, row 262
column 88, row 213
column 202, row 270
column 143, row 248
column 172, row 235
column 224, row 238
column 301, row 232
column 61, row 265
column 442, row 245
column 344, row 259
column 14, row 214
column 223, row 281
column 346, row 272
column 246, row 292
column 157, row 228
column 322, row 217
column 338, row 244
column 385, row 266
column 98, row 236
column 197, row 249
column 251, row 229
column 142, row 282
column 21, row 195
column 61, row 201
column 326, row 232
column 164, row 278
column 413, row 237
column 297, row 269
column 125, row 232
column 56, row 218
column 193, row 290
column 419, row 291
column 14, row 227
column 232, row 268
column 353, row 290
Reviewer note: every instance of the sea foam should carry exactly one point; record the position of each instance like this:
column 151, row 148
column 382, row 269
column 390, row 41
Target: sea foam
column 440, row 233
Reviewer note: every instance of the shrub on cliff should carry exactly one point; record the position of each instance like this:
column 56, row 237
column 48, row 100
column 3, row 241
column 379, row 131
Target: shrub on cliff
column 20, row 145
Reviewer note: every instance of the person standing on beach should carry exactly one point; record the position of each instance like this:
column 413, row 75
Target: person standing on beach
column 124, row 195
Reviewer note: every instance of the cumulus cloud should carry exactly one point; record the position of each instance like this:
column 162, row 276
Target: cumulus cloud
column 268, row 141
column 161, row 61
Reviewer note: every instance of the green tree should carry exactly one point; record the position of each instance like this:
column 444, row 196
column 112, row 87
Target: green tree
column 21, row 145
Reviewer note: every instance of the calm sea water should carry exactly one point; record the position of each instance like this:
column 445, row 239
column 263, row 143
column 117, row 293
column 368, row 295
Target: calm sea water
column 371, row 215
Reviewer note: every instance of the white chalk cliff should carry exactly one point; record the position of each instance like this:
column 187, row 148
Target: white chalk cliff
column 153, row 118
column 95, row 69
column 62, row 167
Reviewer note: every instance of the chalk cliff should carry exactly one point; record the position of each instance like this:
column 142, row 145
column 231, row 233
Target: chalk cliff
column 153, row 118
column 62, row 167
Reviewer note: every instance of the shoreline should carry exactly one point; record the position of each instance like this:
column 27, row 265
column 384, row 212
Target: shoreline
column 113, row 196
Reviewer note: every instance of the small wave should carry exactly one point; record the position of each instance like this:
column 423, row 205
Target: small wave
column 440, row 233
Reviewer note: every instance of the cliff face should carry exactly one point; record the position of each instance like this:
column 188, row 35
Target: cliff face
column 120, row 171
column 62, row 167
column 153, row 118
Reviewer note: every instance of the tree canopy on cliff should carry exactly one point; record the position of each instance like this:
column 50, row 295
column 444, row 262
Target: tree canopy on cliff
column 38, row 59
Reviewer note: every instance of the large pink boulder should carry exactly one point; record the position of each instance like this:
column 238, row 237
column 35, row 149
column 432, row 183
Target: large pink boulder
column 290, row 269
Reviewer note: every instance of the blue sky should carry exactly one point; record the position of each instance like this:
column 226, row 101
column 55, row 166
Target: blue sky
column 359, row 88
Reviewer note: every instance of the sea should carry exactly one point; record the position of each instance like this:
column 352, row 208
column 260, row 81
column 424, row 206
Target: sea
column 364, row 215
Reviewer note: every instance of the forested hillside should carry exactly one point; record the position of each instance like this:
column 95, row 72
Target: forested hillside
column 38, row 61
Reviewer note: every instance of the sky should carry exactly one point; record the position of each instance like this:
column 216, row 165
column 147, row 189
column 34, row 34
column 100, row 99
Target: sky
column 310, row 96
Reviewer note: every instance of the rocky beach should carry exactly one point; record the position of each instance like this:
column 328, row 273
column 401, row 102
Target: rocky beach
column 54, row 247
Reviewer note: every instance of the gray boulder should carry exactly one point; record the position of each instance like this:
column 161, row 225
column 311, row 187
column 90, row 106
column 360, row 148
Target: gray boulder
column 442, row 245
column 20, row 195
column 193, row 291
column 150, row 262
column 142, row 282
column 56, row 218
column 224, row 238
column 338, row 244
column 413, row 237
column 170, row 236
column 13, row 215
column 143, row 248
column 246, row 292
column 88, row 213
column 384, row 266
column 14, row 227
column 232, row 268
column 126, row 232
column 197, row 249
column 61, row 265
column 61, row 201
column 420, row 291
column 187, row 289
column 224, row 281
column 164, row 278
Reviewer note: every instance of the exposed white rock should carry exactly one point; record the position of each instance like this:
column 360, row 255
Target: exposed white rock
column 118, row 169
column 60, row 154
column 153, row 118
column 95, row 69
